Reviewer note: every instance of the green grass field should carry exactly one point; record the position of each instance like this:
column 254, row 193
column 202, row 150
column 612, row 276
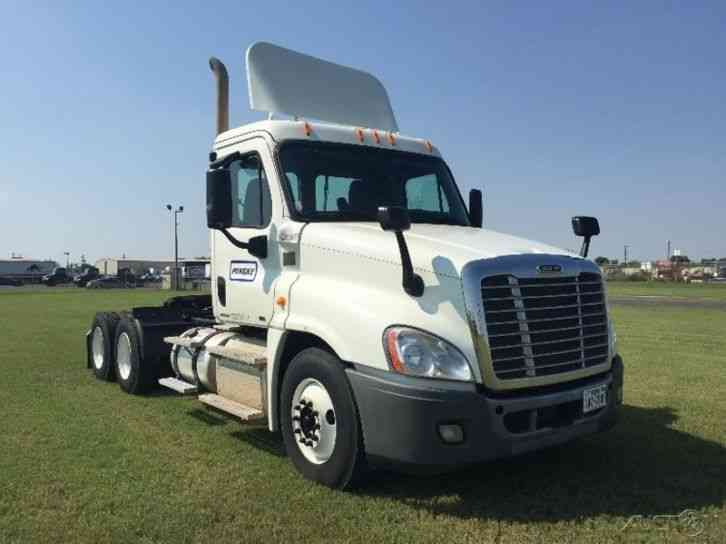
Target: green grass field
column 80, row 461
column 714, row 291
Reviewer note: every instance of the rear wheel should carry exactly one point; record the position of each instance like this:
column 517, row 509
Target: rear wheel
column 319, row 420
column 102, row 352
column 134, row 375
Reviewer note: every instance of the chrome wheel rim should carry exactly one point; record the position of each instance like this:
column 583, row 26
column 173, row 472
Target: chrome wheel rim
column 97, row 348
column 123, row 356
column 314, row 421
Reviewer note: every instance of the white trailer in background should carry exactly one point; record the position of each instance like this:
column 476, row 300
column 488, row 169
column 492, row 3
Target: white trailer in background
column 357, row 306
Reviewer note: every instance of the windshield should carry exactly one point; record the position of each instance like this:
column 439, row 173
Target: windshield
column 339, row 182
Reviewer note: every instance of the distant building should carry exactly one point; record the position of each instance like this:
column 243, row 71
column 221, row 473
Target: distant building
column 197, row 269
column 26, row 270
column 111, row 266
column 630, row 270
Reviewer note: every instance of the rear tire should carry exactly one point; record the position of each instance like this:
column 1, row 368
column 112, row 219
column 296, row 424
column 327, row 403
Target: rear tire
column 317, row 407
column 103, row 345
column 134, row 375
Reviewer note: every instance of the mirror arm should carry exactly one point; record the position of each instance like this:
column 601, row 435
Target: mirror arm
column 243, row 245
column 412, row 283
column 233, row 240
column 585, row 247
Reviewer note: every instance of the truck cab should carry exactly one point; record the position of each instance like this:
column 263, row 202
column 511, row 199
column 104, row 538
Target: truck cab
column 384, row 324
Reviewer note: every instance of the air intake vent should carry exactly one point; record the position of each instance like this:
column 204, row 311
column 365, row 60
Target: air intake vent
column 543, row 326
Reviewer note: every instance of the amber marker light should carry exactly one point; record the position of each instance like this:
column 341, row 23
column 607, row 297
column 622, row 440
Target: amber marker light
column 307, row 128
column 376, row 137
column 359, row 133
column 281, row 302
column 396, row 362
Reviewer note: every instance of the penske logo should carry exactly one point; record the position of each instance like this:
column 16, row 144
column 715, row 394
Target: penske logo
column 242, row 270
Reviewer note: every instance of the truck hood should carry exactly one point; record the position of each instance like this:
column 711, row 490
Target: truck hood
column 440, row 249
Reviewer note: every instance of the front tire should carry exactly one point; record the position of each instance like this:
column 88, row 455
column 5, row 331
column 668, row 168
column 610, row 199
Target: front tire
column 319, row 420
column 134, row 375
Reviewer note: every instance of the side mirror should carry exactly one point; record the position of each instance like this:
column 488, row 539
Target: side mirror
column 476, row 208
column 394, row 218
column 219, row 199
column 220, row 212
column 587, row 227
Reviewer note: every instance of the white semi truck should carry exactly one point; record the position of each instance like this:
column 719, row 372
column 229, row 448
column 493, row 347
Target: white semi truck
column 357, row 306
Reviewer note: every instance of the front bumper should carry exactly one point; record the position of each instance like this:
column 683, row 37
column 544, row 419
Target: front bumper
column 400, row 417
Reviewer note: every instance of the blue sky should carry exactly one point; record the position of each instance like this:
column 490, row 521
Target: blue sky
column 555, row 109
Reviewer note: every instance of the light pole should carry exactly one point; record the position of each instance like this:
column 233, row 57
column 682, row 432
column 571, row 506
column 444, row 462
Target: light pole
column 175, row 219
column 625, row 251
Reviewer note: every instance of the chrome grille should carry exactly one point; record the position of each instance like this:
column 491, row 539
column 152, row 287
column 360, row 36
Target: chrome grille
column 544, row 326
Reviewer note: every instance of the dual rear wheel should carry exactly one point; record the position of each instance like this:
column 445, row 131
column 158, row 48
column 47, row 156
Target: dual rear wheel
column 103, row 345
column 115, row 352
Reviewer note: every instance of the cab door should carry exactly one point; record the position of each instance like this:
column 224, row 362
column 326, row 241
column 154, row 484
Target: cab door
column 244, row 284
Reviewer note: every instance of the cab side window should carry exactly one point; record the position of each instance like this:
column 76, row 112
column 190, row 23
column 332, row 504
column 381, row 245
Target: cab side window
column 251, row 192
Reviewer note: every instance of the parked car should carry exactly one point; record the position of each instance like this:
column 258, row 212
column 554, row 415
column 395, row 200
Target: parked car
column 149, row 277
column 105, row 282
column 57, row 277
column 81, row 280
column 10, row 282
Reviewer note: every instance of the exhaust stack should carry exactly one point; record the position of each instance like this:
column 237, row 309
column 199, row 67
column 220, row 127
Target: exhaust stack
column 220, row 74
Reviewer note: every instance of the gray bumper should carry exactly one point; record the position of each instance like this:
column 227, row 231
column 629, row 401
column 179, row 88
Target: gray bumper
column 400, row 417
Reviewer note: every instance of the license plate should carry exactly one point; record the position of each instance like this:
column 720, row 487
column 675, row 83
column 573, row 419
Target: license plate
column 594, row 398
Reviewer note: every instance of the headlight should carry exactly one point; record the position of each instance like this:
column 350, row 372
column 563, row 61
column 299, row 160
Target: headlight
column 416, row 353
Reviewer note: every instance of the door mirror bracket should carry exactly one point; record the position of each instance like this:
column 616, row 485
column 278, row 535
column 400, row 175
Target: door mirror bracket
column 255, row 246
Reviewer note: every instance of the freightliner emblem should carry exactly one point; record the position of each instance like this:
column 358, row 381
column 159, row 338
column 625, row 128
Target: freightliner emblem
column 544, row 268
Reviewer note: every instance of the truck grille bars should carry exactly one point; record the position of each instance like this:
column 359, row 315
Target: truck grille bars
column 544, row 326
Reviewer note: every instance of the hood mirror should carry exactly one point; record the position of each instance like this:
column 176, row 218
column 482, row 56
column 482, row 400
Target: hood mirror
column 396, row 219
column 476, row 208
column 587, row 227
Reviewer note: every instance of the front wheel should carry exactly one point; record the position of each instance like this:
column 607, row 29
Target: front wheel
column 319, row 420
